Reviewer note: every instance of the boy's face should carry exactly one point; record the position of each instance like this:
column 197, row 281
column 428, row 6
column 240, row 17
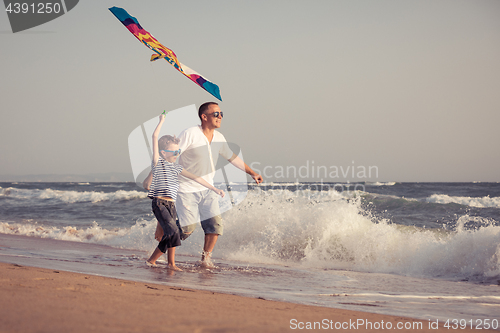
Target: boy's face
column 169, row 156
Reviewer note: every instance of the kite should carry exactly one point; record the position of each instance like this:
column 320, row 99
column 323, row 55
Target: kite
column 162, row 52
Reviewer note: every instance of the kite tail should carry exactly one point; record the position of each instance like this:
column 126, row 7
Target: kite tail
column 132, row 24
column 156, row 57
column 210, row 87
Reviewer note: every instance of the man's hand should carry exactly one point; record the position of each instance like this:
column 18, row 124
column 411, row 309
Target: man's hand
column 238, row 162
column 258, row 178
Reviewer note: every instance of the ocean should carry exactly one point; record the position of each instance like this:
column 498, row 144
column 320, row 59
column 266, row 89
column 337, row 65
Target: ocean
column 423, row 250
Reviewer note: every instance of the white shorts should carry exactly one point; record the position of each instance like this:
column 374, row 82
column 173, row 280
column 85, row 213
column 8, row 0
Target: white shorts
column 194, row 207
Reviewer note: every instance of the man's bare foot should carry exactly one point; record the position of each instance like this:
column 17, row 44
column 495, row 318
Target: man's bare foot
column 207, row 264
column 174, row 268
column 206, row 260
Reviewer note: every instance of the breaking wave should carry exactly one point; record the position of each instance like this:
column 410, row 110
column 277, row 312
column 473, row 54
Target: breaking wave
column 69, row 196
column 315, row 230
column 480, row 202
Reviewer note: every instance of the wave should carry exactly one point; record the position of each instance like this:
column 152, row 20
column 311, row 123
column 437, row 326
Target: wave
column 381, row 183
column 134, row 238
column 69, row 196
column 317, row 230
column 477, row 202
column 339, row 234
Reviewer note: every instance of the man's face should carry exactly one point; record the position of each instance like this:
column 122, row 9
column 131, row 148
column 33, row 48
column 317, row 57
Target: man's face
column 211, row 119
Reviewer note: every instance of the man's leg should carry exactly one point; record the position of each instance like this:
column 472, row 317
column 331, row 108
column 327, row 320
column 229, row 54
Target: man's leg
column 206, row 255
column 187, row 211
column 210, row 240
column 211, row 224
column 212, row 228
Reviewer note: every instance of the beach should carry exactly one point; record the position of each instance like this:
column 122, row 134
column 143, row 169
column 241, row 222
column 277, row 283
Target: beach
column 352, row 146
column 46, row 300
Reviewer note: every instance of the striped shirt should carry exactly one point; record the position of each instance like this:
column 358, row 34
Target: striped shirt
column 165, row 179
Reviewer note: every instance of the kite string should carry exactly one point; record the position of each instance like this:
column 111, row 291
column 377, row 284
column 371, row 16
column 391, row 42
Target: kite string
column 159, row 80
column 156, row 74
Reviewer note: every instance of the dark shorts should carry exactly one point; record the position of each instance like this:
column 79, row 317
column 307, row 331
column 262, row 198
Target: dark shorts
column 166, row 215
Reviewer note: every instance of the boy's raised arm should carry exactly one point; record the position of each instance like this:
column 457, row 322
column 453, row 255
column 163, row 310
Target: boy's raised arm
column 156, row 133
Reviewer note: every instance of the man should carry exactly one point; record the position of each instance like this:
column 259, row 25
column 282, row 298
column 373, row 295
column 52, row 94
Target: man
column 200, row 147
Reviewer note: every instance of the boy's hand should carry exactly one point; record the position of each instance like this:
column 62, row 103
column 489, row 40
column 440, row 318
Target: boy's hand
column 162, row 117
column 219, row 192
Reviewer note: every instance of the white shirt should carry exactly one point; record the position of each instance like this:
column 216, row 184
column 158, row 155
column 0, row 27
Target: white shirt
column 199, row 156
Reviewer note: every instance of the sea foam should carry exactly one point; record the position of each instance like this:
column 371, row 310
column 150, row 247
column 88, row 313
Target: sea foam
column 479, row 202
column 69, row 196
column 337, row 233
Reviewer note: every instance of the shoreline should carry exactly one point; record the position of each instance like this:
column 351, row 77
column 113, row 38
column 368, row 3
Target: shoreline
column 47, row 300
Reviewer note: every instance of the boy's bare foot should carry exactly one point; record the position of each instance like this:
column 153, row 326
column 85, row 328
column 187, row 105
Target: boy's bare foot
column 174, row 268
column 150, row 264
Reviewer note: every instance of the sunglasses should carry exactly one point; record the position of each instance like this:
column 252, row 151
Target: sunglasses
column 216, row 114
column 176, row 152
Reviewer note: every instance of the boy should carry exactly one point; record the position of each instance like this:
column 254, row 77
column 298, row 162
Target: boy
column 163, row 191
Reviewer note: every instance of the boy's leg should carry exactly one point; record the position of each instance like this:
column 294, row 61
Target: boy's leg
column 171, row 259
column 159, row 232
column 155, row 256
column 166, row 215
column 162, row 248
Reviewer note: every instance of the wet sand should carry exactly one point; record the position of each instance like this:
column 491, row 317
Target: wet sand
column 48, row 300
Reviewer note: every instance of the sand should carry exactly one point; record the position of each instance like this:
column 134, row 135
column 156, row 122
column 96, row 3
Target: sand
column 47, row 300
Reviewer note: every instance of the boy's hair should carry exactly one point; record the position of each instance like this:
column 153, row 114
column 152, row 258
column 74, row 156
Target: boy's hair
column 204, row 107
column 166, row 140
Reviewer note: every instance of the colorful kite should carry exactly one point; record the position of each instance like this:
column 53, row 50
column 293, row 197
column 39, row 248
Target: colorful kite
column 162, row 52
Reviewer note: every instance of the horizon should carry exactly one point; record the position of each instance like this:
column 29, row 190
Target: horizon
column 121, row 178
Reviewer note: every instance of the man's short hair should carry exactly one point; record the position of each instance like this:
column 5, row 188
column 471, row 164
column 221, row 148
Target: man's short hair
column 166, row 140
column 204, row 108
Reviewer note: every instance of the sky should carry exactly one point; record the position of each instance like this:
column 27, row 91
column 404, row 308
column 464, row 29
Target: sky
column 395, row 90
